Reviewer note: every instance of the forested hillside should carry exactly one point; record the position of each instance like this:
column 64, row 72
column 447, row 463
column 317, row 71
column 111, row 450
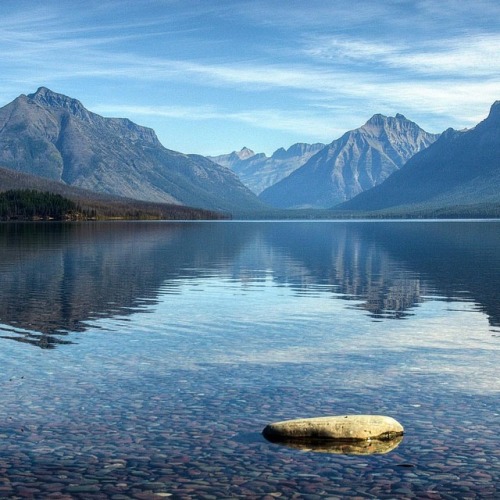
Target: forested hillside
column 31, row 204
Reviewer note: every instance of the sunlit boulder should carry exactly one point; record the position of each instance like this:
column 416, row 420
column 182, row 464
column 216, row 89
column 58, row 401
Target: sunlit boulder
column 335, row 428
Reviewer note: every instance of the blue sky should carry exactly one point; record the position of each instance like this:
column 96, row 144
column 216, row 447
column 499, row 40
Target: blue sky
column 212, row 76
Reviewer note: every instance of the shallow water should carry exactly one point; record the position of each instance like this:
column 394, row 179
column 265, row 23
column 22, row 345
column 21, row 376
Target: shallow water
column 142, row 360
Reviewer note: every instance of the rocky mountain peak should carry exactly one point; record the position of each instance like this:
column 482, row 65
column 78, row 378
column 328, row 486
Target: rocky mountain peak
column 245, row 153
column 258, row 171
column 360, row 159
column 377, row 119
column 53, row 136
column 495, row 112
column 396, row 130
column 382, row 121
column 460, row 168
column 280, row 153
column 47, row 98
column 375, row 126
column 296, row 150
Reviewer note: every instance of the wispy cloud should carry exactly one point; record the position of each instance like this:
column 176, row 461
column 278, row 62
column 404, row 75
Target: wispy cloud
column 287, row 69
column 272, row 119
column 309, row 82
column 475, row 56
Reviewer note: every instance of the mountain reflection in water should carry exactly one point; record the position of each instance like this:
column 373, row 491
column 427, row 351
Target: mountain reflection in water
column 55, row 277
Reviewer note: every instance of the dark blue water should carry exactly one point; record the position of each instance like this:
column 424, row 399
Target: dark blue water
column 142, row 360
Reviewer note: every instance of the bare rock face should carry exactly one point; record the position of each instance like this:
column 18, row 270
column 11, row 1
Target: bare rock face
column 341, row 428
column 356, row 162
column 460, row 168
column 258, row 171
column 53, row 136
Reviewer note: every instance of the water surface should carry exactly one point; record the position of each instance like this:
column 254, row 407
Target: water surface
column 143, row 360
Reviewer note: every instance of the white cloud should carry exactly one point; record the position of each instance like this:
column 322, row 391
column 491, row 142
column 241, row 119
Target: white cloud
column 273, row 119
column 471, row 57
column 318, row 78
column 466, row 58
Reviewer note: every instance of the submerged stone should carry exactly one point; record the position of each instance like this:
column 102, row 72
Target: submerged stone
column 340, row 428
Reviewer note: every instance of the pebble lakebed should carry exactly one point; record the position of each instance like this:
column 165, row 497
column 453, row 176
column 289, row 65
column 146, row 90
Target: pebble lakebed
column 186, row 341
column 194, row 434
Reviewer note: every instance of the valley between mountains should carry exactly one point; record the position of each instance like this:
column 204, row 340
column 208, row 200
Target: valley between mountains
column 387, row 167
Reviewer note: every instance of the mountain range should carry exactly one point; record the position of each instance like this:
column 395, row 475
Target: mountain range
column 357, row 161
column 460, row 168
column 54, row 136
column 389, row 163
column 258, row 171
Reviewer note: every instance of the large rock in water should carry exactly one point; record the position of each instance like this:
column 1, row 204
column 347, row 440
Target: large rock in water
column 340, row 428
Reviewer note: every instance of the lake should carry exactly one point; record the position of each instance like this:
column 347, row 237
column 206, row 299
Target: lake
column 143, row 359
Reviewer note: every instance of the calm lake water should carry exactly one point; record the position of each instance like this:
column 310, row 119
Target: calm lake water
column 143, row 359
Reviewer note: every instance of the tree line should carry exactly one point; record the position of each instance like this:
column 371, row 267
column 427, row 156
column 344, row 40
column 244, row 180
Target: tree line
column 29, row 204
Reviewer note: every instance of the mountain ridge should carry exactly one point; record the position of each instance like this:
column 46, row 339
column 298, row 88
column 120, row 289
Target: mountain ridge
column 357, row 161
column 460, row 168
column 258, row 171
column 55, row 136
